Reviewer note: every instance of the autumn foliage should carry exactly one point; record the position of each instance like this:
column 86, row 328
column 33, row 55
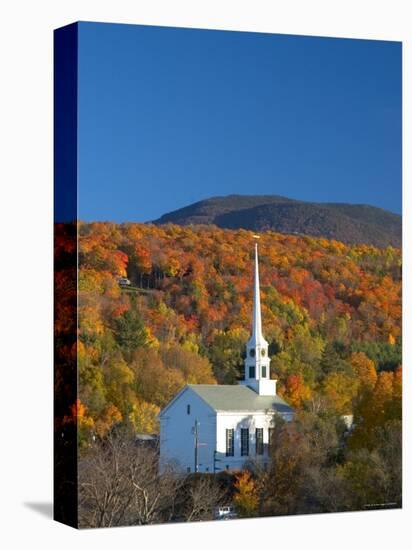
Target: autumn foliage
column 331, row 313
column 246, row 499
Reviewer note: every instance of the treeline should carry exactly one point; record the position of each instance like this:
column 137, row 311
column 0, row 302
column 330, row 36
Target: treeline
column 331, row 312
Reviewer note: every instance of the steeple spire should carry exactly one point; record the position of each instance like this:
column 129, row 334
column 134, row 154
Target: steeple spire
column 257, row 362
column 257, row 315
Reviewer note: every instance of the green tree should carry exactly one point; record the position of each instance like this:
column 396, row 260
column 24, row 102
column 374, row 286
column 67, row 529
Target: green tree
column 226, row 354
column 301, row 355
column 332, row 360
column 130, row 332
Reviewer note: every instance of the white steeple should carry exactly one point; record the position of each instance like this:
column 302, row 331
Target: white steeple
column 257, row 335
column 257, row 362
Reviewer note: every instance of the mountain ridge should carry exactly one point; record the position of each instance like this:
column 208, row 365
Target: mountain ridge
column 349, row 223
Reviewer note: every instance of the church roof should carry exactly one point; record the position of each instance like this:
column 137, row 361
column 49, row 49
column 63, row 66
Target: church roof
column 239, row 398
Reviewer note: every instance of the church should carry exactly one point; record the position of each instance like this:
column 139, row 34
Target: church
column 210, row 428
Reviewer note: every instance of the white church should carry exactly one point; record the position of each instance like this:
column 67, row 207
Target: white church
column 210, row 428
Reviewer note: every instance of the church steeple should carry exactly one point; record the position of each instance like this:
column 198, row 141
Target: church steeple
column 257, row 362
column 257, row 314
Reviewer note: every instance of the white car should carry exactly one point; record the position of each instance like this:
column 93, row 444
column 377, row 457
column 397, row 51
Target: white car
column 225, row 512
column 124, row 281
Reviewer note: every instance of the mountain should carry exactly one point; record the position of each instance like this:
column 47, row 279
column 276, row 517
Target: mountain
column 349, row 223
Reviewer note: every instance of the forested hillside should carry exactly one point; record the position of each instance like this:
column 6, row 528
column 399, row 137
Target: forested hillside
column 331, row 313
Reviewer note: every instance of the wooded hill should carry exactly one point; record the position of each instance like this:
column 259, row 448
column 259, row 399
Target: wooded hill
column 349, row 223
column 332, row 316
column 331, row 313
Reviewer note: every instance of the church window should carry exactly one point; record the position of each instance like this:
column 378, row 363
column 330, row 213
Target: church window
column 230, row 442
column 263, row 352
column 251, row 372
column 263, row 372
column 252, row 352
column 259, row 441
column 188, row 409
column 244, row 441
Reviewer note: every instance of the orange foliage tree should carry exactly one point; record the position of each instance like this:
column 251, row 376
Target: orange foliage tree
column 246, row 497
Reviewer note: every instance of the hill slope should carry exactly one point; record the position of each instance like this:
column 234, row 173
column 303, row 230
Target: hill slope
column 349, row 223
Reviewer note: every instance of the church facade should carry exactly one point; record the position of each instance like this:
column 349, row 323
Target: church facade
column 210, row 428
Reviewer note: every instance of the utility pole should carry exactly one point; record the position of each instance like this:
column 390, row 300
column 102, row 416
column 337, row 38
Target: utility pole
column 196, row 434
column 215, row 460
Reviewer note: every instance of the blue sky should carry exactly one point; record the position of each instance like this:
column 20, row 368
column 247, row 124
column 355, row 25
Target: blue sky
column 171, row 116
